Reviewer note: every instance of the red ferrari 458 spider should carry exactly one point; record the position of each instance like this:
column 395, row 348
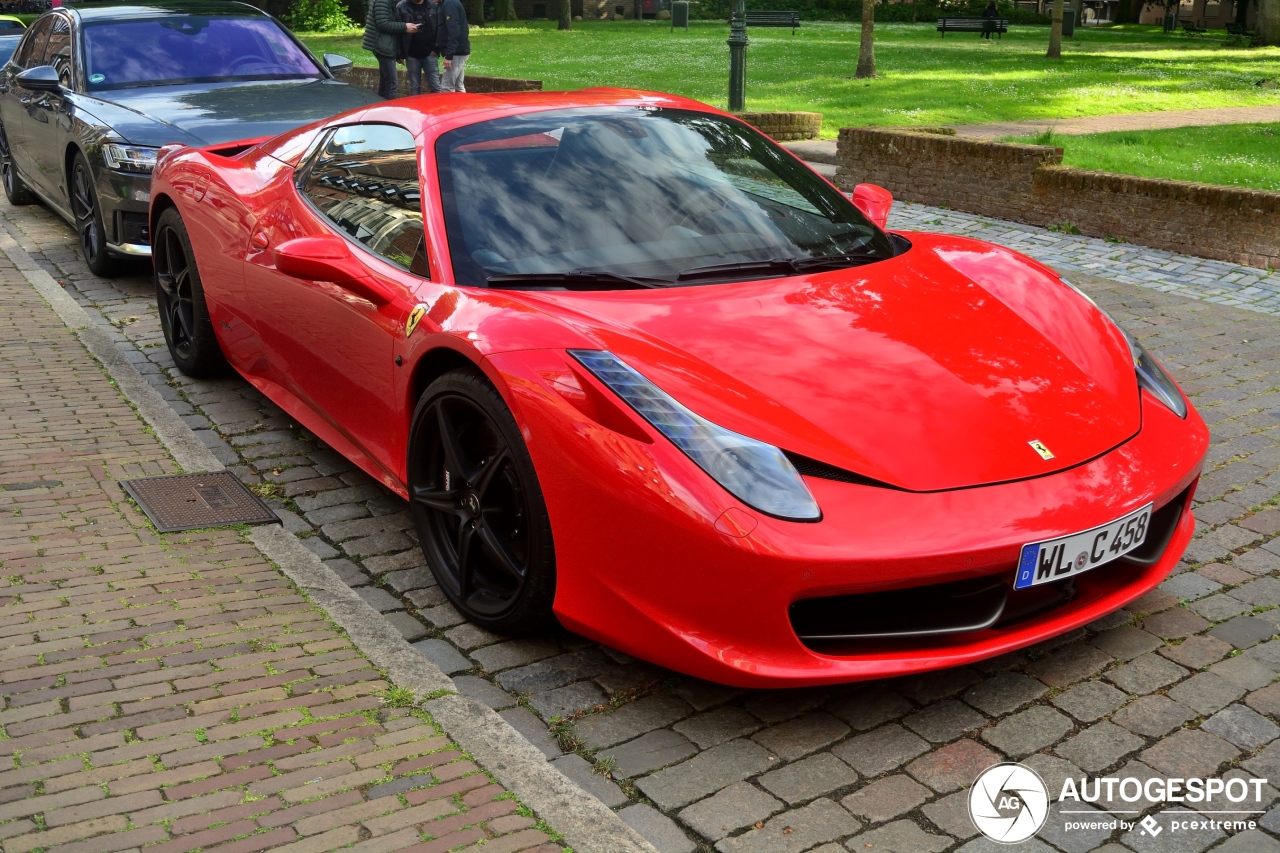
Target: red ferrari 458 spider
column 638, row 368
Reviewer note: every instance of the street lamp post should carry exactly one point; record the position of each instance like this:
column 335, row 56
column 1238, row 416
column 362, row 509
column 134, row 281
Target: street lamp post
column 737, row 56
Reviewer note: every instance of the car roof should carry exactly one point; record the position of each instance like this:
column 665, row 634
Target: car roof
column 122, row 10
column 11, row 18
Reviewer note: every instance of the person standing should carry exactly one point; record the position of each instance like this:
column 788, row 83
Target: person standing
column 990, row 13
column 453, row 44
column 382, row 32
column 419, row 49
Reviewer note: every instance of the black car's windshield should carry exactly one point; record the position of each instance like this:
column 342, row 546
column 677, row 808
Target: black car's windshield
column 190, row 49
column 642, row 192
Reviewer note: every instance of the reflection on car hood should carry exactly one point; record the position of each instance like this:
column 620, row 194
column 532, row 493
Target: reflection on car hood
column 933, row 370
column 211, row 113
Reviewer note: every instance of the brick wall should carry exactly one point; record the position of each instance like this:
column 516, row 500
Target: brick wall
column 366, row 77
column 1028, row 183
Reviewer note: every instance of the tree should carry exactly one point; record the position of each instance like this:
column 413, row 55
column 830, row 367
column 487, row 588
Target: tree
column 1268, row 26
column 504, row 10
column 1055, row 31
column 566, row 15
column 475, row 12
column 866, row 47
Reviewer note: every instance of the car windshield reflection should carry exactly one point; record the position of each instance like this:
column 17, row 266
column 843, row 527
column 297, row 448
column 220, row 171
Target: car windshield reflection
column 640, row 192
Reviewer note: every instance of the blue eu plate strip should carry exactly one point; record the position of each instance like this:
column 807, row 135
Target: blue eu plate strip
column 1026, row 566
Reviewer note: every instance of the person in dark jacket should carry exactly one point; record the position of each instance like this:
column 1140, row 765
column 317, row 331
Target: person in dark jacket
column 382, row 32
column 990, row 13
column 453, row 44
column 419, row 49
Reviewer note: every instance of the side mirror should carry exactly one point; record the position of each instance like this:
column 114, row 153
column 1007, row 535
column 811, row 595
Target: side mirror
column 874, row 202
column 338, row 65
column 328, row 259
column 42, row 78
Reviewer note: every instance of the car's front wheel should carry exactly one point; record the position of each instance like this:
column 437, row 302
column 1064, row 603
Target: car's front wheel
column 88, row 217
column 184, row 315
column 478, row 507
column 14, row 189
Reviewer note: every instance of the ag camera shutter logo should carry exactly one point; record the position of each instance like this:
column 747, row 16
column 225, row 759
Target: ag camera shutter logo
column 1008, row 803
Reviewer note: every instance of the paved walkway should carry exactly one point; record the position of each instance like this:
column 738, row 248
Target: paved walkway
column 1179, row 685
column 175, row 692
column 1123, row 121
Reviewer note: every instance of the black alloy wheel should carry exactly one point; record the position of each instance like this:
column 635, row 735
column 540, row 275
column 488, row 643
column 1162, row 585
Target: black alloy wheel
column 14, row 189
column 184, row 315
column 88, row 219
column 478, row 508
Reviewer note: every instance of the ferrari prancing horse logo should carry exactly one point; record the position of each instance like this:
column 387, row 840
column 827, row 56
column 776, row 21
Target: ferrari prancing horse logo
column 1038, row 446
column 415, row 317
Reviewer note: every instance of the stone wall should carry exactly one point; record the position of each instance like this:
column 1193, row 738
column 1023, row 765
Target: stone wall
column 1028, row 183
column 785, row 127
column 366, row 77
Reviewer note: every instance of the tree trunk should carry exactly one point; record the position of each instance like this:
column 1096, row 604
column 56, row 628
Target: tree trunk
column 566, row 15
column 504, row 10
column 1242, row 12
column 1268, row 26
column 475, row 12
column 866, row 48
column 1055, row 31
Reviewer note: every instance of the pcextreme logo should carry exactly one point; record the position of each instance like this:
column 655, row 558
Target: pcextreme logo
column 1009, row 803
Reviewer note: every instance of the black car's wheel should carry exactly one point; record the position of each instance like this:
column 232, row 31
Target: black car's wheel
column 88, row 217
column 184, row 316
column 14, row 189
column 478, row 508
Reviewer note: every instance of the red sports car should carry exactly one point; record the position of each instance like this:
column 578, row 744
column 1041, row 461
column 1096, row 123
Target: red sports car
column 638, row 368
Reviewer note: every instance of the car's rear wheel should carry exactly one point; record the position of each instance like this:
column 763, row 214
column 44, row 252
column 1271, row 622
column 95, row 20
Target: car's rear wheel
column 478, row 507
column 14, row 189
column 184, row 315
column 88, row 217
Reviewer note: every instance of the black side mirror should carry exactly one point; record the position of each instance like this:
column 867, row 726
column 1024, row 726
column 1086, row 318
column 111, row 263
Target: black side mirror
column 338, row 65
column 42, row 78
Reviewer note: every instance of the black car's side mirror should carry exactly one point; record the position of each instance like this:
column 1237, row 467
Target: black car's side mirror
column 42, row 78
column 338, row 65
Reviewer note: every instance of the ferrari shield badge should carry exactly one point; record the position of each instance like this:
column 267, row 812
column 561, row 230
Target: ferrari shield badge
column 415, row 317
column 1038, row 446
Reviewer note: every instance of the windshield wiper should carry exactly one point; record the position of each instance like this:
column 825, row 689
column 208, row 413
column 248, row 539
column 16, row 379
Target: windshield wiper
column 779, row 266
column 573, row 280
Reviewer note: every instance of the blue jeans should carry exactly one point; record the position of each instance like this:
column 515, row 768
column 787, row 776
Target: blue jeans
column 388, row 77
column 416, row 67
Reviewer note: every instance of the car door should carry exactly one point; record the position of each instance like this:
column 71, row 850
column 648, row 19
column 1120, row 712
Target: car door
column 16, row 102
column 50, row 127
column 328, row 345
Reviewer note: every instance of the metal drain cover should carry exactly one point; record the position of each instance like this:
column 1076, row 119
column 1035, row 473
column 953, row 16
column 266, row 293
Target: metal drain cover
column 188, row 501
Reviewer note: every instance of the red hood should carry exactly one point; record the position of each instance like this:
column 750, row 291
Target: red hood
column 933, row 370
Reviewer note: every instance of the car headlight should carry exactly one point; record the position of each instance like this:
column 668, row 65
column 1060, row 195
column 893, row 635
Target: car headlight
column 139, row 159
column 1151, row 375
column 756, row 473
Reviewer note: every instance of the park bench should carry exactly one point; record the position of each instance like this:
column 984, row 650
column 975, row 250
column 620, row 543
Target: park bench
column 1191, row 28
column 999, row 26
column 774, row 19
column 1239, row 31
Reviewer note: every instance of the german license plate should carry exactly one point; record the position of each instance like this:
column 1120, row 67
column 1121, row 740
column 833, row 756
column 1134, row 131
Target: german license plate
column 1044, row 562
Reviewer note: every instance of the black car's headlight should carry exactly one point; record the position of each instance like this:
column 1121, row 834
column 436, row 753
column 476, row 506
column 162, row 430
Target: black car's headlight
column 138, row 159
column 756, row 473
column 1151, row 375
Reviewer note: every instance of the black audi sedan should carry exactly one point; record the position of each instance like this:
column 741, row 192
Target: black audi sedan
column 93, row 91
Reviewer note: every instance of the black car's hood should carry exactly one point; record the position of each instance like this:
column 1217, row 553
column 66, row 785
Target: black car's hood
column 211, row 113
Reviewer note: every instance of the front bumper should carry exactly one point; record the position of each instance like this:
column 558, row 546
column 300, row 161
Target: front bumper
column 657, row 560
column 125, row 200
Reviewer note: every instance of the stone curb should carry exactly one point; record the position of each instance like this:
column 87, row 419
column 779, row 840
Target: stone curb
column 587, row 824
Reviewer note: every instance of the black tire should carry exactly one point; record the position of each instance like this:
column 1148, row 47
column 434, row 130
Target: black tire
column 88, row 219
column 184, row 315
column 478, row 508
column 14, row 189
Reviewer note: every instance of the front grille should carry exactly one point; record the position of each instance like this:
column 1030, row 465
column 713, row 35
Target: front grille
column 132, row 228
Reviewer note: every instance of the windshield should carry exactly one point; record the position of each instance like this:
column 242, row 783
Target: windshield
column 642, row 192
column 190, row 49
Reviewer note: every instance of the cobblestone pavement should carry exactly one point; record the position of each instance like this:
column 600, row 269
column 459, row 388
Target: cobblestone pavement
column 1180, row 684
column 175, row 692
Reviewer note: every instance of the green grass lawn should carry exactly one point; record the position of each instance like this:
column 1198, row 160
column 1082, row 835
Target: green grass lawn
column 1245, row 155
column 923, row 79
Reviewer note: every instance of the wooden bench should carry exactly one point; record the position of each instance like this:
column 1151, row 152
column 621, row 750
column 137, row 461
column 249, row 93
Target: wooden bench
column 999, row 26
column 774, row 19
column 1191, row 28
column 1239, row 31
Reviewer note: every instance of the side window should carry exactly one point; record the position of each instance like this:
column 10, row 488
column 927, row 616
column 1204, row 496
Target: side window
column 57, row 50
column 365, row 180
column 32, row 46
